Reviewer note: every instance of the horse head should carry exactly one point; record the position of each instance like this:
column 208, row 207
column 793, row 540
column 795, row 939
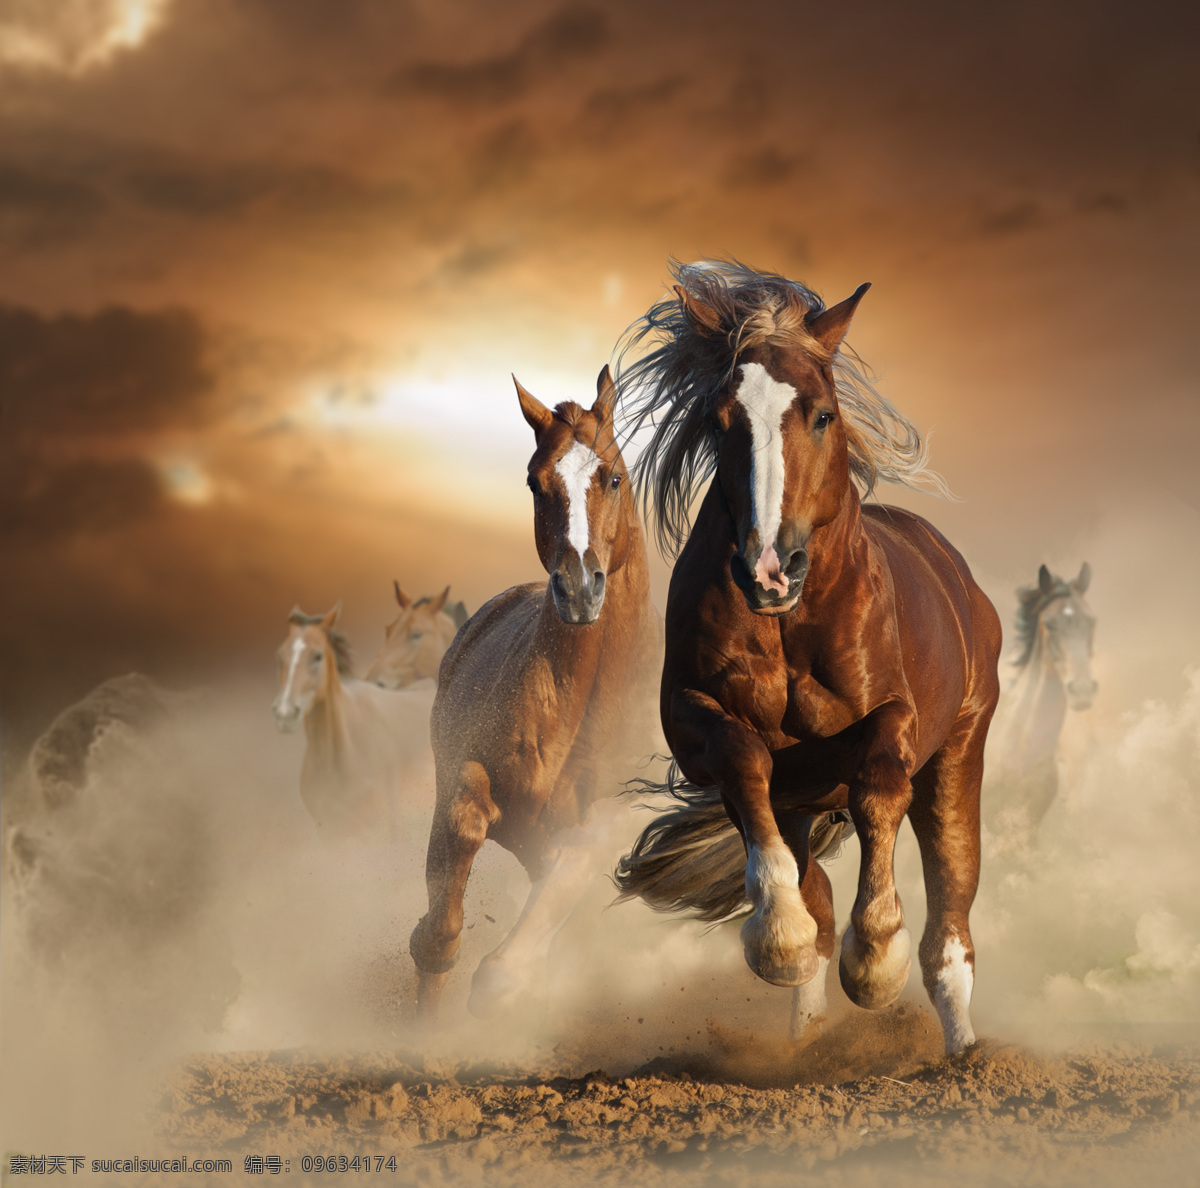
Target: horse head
column 583, row 514
column 1067, row 627
column 304, row 659
column 415, row 641
column 781, row 444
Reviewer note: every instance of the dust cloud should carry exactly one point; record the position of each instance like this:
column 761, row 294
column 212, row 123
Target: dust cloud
column 173, row 897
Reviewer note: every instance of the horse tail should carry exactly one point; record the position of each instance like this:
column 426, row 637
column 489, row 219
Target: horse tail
column 691, row 857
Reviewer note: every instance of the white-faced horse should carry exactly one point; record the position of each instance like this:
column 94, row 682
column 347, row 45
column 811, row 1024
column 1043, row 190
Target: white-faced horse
column 368, row 767
column 1055, row 630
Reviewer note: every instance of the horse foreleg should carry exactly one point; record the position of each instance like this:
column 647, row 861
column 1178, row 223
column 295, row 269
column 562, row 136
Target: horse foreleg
column 779, row 936
column 576, row 857
column 945, row 818
column 460, row 827
column 876, row 960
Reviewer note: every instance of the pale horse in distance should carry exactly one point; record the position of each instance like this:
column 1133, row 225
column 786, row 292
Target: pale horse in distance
column 416, row 640
column 368, row 767
column 1055, row 629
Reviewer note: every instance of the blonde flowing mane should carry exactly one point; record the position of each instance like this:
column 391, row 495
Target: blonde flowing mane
column 672, row 389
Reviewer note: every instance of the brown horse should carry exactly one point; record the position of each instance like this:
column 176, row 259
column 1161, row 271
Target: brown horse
column 1055, row 630
column 416, row 640
column 542, row 704
column 820, row 655
column 367, row 766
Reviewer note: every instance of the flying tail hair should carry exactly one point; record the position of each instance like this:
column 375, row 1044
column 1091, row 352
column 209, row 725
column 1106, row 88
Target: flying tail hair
column 691, row 859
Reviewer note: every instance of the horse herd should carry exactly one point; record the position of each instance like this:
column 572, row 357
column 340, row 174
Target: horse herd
column 824, row 666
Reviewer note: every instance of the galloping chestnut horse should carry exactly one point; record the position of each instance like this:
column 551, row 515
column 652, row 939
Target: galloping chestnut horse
column 820, row 655
column 542, row 704
column 1055, row 628
column 416, row 640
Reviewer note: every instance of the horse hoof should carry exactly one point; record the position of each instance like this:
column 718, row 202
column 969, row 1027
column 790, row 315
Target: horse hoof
column 429, row 956
column 494, row 990
column 790, row 969
column 873, row 976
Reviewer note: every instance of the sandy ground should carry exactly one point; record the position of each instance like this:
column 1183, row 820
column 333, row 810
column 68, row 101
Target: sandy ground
column 745, row 1113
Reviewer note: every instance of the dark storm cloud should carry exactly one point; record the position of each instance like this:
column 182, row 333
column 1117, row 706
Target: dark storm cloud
column 572, row 32
column 611, row 112
column 42, row 206
column 65, row 379
column 42, row 500
column 109, row 372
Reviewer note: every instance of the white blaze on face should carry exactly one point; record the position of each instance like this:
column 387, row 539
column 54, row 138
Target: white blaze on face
column 286, row 698
column 576, row 468
column 765, row 401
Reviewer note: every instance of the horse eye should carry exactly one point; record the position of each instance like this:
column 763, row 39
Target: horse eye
column 616, row 481
column 823, row 419
column 533, row 485
column 317, row 657
column 418, row 635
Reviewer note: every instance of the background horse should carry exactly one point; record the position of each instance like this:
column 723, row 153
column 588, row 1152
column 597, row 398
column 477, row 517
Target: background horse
column 542, row 705
column 1055, row 629
column 416, row 640
column 367, row 766
column 819, row 655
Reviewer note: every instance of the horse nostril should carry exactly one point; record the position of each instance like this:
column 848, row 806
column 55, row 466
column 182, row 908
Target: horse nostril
column 796, row 566
column 598, row 582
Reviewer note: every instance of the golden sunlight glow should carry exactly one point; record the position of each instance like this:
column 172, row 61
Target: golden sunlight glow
column 72, row 36
column 186, row 482
column 480, row 406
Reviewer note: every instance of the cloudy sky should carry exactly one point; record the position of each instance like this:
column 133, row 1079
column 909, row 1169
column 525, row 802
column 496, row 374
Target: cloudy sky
column 266, row 267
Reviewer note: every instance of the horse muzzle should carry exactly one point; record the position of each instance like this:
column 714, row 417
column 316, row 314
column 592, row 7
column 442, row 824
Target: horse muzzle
column 578, row 590
column 1081, row 692
column 786, row 583
column 287, row 717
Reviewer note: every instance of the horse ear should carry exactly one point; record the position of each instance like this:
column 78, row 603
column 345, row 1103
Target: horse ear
column 705, row 319
column 534, row 411
column 332, row 617
column 606, row 396
column 440, row 601
column 296, row 615
column 402, row 598
column 829, row 328
column 1084, row 579
column 1045, row 581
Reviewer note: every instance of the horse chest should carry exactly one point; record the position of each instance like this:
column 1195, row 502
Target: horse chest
column 814, row 710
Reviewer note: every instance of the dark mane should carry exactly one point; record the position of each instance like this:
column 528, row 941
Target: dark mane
column 1031, row 601
column 671, row 389
column 340, row 644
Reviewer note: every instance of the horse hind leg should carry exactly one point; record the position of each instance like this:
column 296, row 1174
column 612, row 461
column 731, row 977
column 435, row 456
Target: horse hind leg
column 945, row 818
column 808, row 1000
column 576, row 857
column 460, row 827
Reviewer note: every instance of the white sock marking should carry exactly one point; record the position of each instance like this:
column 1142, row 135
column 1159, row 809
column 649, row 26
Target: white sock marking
column 765, row 401
column 952, row 996
column 808, row 1001
column 576, row 468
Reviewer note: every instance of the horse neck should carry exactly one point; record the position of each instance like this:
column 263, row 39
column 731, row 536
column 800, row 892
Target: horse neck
column 324, row 724
column 1040, row 706
column 833, row 547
